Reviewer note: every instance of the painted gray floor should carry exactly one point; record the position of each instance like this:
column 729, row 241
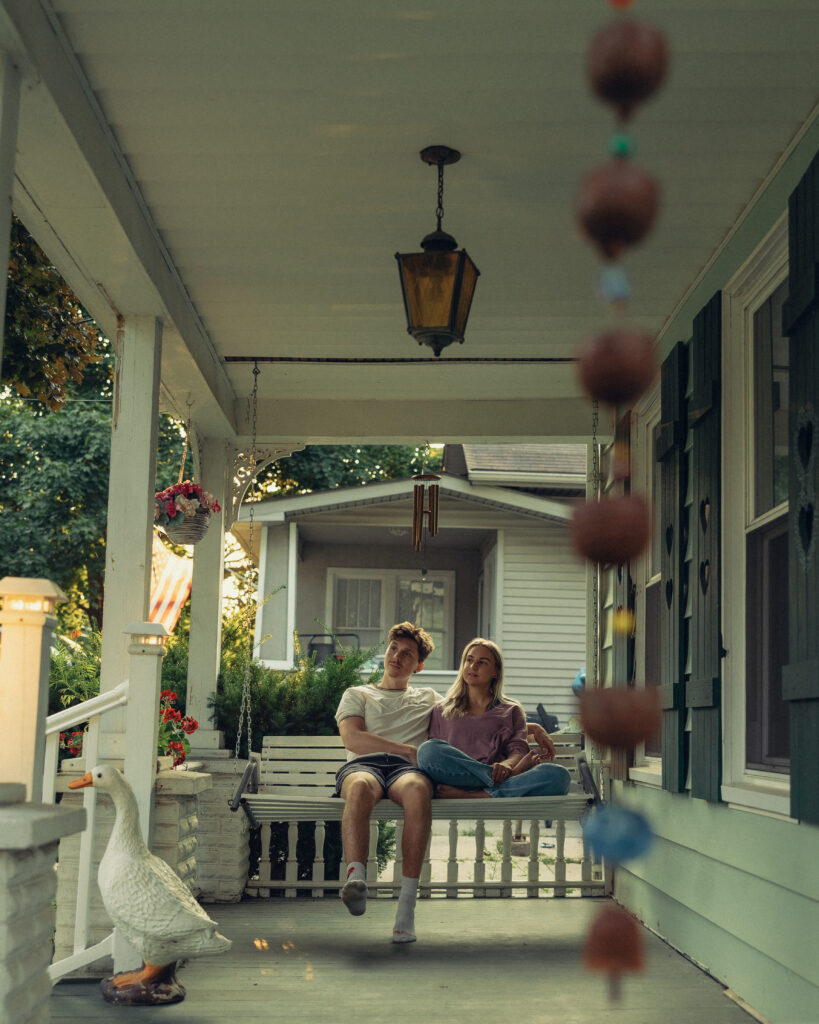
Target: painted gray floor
column 476, row 961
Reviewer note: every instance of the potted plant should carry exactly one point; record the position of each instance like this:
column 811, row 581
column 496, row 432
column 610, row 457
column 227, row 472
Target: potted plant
column 183, row 511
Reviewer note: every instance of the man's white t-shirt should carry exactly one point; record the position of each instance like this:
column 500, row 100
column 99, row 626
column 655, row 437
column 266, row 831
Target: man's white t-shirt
column 398, row 715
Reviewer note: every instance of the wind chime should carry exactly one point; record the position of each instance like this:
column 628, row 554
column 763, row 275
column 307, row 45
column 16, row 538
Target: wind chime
column 616, row 206
column 424, row 506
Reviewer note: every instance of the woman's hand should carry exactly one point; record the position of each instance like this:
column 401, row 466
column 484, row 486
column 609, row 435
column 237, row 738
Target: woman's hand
column 500, row 772
column 539, row 735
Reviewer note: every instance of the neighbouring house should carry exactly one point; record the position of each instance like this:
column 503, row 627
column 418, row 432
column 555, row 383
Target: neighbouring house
column 500, row 566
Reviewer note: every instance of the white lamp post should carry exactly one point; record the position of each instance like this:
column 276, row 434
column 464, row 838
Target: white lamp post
column 27, row 622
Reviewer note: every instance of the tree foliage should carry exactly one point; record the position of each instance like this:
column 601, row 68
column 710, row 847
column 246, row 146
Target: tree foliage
column 49, row 340
column 322, row 467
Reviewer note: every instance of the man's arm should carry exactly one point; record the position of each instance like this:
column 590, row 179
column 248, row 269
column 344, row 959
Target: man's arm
column 356, row 738
column 543, row 740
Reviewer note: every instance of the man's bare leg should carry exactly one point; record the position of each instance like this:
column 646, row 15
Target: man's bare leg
column 413, row 791
column 360, row 792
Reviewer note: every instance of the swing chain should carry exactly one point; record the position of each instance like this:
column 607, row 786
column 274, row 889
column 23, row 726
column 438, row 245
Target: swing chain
column 244, row 707
column 595, row 566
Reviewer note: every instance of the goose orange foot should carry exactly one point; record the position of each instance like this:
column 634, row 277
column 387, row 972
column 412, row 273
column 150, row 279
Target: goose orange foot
column 151, row 985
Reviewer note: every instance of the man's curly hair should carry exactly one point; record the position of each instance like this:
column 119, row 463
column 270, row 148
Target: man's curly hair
column 409, row 631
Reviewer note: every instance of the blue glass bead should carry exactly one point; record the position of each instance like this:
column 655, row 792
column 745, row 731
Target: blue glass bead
column 579, row 683
column 621, row 145
column 613, row 283
column 616, row 834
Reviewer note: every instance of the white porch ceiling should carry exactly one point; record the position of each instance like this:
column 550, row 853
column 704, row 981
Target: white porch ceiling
column 246, row 170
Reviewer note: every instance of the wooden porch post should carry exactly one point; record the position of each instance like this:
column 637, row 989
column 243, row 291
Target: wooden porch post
column 27, row 623
column 9, row 111
column 206, row 600
column 130, row 506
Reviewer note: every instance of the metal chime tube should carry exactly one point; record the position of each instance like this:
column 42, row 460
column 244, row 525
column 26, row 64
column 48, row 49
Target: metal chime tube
column 417, row 515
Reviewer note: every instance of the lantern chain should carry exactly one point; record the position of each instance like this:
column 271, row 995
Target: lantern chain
column 439, row 212
column 595, row 566
column 244, row 708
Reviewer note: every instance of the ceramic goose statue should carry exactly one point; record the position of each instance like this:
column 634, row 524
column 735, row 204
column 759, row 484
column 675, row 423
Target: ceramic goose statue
column 148, row 902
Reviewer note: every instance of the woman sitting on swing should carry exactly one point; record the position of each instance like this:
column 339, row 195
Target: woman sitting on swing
column 477, row 745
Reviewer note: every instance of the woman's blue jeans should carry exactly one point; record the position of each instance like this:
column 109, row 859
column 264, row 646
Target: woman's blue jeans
column 445, row 763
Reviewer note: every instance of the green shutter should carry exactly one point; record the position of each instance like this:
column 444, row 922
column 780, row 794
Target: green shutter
column 669, row 452
column 623, row 594
column 703, row 688
column 800, row 678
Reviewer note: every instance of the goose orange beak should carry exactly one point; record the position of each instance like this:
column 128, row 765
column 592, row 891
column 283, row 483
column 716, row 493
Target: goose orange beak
column 86, row 780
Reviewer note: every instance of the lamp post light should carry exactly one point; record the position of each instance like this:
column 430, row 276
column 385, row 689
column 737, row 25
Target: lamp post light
column 437, row 284
column 27, row 621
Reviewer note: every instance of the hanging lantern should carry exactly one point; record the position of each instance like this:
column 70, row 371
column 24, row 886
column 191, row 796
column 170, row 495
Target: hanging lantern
column 424, row 503
column 614, row 945
column 437, row 284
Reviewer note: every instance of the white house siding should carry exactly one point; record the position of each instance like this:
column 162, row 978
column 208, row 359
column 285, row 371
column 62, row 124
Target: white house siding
column 735, row 890
column 544, row 618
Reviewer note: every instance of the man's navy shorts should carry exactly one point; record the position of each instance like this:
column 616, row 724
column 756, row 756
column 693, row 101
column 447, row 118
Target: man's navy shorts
column 386, row 768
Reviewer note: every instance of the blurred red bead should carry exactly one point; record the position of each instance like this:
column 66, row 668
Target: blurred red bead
column 626, row 63
column 616, row 205
column 617, row 366
column 621, row 717
column 613, row 530
column 614, row 945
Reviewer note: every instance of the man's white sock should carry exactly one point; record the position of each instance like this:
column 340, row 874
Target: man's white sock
column 354, row 891
column 404, row 927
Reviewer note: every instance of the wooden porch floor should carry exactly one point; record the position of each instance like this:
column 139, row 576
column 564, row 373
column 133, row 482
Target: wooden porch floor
column 482, row 961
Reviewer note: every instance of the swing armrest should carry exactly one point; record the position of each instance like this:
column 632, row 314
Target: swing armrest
column 249, row 783
column 587, row 780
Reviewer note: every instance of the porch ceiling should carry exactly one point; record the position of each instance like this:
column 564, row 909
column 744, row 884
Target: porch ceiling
column 246, row 170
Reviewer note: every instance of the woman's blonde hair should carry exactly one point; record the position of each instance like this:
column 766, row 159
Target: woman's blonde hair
column 456, row 702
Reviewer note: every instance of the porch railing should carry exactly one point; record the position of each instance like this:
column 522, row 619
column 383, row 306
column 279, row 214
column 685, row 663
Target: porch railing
column 90, row 711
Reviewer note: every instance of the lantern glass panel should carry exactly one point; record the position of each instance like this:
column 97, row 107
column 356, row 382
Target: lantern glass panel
column 429, row 280
column 470, row 277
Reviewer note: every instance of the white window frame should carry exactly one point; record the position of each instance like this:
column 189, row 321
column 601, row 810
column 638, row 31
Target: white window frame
column 751, row 286
column 389, row 597
column 647, row 769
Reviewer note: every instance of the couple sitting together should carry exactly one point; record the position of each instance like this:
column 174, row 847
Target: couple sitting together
column 408, row 743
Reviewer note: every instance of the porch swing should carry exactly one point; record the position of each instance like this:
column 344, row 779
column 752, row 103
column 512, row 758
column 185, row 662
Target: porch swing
column 293, row 781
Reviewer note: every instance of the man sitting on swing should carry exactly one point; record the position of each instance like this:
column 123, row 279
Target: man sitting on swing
column 382, row 726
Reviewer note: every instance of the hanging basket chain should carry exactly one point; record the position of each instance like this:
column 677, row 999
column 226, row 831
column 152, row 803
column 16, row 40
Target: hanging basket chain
column 595, row 567
column 245, row 718
column 185, row 451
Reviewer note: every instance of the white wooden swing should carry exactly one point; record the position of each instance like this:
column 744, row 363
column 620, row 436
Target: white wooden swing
column 293, row 781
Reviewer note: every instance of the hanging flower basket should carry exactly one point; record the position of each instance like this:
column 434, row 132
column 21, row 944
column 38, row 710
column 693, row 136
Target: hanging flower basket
column 183, row 512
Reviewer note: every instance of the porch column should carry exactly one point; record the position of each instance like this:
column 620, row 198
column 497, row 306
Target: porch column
column 206, row 601
column 9, row 111
column 130, row 506
column 27, row 625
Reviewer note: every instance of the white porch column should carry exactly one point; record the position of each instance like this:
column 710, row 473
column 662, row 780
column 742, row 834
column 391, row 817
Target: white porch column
column 130, row 506
column 9, row 111
column 28, row 629
column 206, row 601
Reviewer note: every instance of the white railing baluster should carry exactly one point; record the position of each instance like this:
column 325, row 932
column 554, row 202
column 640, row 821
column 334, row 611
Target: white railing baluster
column 534, row 856
column 480, row 866
column 318, row 860
column 560, row 857
column 291, row 867
column 397, row 869
column 50, row 765
column 452, row 863
column 506, row 862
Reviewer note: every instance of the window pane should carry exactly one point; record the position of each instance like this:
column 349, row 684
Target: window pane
column 767, row 715
column 424, row 603
column 357, row 604
column 771, row 399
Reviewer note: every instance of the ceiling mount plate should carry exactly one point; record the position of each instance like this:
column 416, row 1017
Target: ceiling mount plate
column 440, row 155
